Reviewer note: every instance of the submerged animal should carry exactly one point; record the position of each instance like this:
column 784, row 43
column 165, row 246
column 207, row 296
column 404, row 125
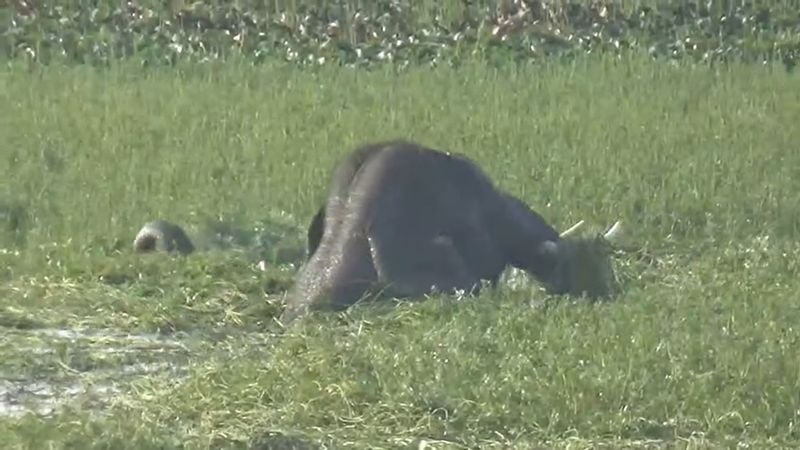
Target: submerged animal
column 161, row 235
column 404, row 220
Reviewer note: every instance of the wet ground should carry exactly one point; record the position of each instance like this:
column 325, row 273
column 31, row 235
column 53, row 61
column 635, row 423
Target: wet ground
column 91, row 368
column 87, row 367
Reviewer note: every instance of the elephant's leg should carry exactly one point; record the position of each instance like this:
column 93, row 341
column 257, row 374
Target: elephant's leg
column 413, row 264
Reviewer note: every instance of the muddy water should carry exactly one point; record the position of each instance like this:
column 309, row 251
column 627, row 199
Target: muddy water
column 40, row 397
column 127, row 357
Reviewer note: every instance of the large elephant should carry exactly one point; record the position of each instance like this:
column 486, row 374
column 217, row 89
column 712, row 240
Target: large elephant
column 406, row 220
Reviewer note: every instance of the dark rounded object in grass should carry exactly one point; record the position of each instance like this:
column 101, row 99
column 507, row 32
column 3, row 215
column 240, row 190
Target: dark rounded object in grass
column 161, row 235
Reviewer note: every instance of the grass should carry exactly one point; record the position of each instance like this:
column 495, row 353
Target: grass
column 700, row 350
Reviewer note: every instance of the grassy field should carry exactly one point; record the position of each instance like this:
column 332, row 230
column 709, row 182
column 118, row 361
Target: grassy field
column 118, row 351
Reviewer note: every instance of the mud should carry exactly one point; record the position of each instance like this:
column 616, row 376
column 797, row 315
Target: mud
column 119, row 360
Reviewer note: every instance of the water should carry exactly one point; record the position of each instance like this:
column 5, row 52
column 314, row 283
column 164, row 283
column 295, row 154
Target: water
column 139, row 356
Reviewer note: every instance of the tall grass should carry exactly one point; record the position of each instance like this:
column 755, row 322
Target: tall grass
column 701, row 164
column 672, row 149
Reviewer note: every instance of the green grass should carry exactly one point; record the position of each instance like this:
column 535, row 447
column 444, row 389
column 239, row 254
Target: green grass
column 702, row 165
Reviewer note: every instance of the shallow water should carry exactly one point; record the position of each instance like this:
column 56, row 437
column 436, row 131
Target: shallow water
column 18, row 398
column 94, row 388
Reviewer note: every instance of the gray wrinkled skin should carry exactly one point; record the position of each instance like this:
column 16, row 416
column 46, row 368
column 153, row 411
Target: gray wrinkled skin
column 339, row 188
column 407, row 220
column 161, row 235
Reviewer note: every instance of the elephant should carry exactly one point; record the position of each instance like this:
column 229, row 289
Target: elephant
column 404, row 220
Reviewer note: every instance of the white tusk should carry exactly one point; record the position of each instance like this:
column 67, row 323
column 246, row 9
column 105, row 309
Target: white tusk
column 571, row 229
column 614, row 231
